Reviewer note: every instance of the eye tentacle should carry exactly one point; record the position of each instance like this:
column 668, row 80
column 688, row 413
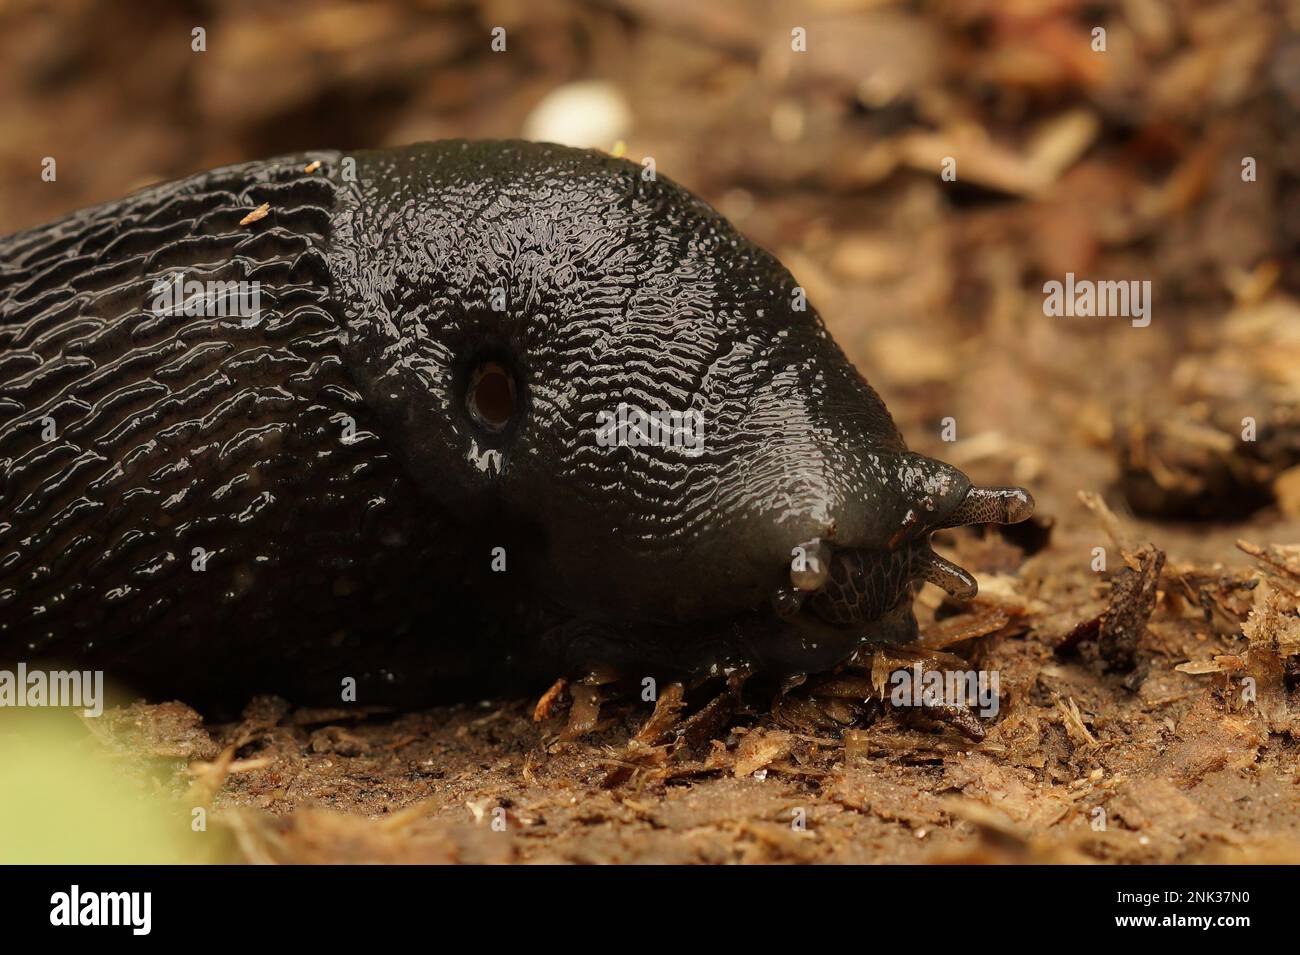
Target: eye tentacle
column 991, row 505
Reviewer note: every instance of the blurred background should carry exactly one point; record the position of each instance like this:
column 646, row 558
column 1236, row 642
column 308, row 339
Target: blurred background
column 820, row 129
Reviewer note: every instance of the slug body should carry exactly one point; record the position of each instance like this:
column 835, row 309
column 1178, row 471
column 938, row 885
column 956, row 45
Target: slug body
column 422, row 461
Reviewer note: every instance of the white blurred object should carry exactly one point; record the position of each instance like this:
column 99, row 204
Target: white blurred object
column 589, row 114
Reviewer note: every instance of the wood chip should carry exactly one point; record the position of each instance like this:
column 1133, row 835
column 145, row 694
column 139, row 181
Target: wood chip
column 257, row 214
column 1072, row 720
column 1223, row 663
column 761, row 748
column 546, row 706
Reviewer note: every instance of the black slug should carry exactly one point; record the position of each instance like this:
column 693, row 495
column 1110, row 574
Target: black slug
column 440, row 418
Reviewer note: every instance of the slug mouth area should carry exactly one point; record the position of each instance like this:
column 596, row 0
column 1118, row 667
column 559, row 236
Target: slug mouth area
column 851, row 587
column 847, row 587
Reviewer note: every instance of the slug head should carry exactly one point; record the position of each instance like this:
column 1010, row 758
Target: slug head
column 595, row 371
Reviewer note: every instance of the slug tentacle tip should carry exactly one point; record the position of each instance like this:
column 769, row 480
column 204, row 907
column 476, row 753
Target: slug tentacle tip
column 992, row 505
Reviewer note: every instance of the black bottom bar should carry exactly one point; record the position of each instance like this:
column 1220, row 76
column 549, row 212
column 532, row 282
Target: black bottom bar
column 333, row 904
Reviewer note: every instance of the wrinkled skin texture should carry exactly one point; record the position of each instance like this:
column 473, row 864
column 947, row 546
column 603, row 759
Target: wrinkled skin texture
column 371, row 557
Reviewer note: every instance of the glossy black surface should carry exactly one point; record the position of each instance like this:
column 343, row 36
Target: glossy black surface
column 372, row 557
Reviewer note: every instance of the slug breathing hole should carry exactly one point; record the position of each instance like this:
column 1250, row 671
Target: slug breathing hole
column 491, row 396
